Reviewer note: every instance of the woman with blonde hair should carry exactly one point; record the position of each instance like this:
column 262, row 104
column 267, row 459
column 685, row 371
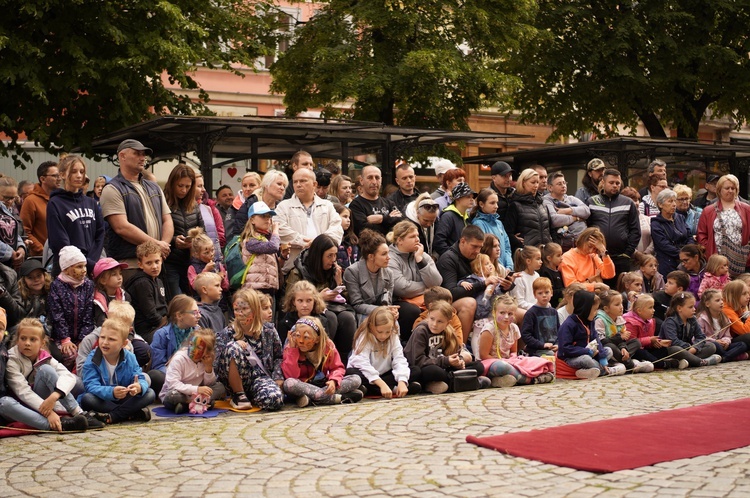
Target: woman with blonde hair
column 527, row 220
column 271, row 191
column 724, row 227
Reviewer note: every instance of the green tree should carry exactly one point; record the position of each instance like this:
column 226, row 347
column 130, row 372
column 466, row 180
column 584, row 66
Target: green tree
column 594, row 65
column 412, row 62
column 72, row 70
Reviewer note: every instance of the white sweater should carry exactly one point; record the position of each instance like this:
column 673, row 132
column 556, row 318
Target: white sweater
column 524, row 291
column 372, row 364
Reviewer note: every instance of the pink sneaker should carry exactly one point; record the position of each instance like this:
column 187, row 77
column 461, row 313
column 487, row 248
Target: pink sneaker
column 742, row 357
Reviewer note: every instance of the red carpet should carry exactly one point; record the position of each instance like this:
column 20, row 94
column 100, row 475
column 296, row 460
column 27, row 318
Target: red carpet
column 15, row 429
column 628, row 443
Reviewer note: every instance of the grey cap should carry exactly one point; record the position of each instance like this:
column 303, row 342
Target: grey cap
column 133, row 144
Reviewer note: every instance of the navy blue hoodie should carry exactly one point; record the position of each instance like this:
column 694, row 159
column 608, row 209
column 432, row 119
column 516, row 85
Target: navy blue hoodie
column 577, row 331
column 75, row 220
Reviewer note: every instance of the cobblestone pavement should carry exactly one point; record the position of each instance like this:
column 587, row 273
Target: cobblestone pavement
column 408, row 447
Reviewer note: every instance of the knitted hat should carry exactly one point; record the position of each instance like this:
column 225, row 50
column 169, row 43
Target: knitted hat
column 69, row 256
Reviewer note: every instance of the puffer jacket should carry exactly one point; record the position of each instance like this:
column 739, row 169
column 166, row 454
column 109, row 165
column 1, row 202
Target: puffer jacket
column 528, row 217
column 71, row 311
column 264, row 270
column 411, row 279
column 183, row 222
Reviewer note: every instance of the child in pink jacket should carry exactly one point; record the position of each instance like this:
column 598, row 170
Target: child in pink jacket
column 313, row 369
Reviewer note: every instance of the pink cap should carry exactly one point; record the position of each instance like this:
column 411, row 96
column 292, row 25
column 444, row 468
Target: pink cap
column 106, row 264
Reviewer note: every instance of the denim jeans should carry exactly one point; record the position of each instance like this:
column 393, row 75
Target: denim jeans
column 119, row 410
column 44, row 385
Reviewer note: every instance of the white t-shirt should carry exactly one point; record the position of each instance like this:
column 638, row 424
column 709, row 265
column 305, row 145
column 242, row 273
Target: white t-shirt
column 111, row 370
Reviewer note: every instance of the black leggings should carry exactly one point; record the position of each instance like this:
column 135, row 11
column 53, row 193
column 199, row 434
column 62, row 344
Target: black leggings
column 631, row 345
column 434, row 373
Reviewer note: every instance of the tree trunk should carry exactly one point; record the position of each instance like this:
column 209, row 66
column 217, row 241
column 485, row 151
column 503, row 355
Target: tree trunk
column 652, row 124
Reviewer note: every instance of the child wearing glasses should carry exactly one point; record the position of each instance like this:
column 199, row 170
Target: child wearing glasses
column 183, row 315
column 248, row 356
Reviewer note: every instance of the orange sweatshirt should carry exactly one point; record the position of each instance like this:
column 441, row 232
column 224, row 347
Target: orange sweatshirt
column 577, row 267
column 739, row 327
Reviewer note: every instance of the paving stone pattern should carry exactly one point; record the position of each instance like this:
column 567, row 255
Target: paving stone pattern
column 408, row 447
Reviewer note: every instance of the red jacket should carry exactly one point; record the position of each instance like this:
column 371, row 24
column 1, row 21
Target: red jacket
column 705, row 235
column 639, row 328
column 296, row 366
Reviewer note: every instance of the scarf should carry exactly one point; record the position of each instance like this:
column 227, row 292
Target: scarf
column 180, row 335
column 70, row 280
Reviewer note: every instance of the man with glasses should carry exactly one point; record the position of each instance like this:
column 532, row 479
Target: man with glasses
column 568, row 214
column 34, row 208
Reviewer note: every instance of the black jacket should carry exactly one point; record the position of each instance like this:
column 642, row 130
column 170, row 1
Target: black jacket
column 10, row 299
column 503, row 200
column 528, row 217
column 447, row 230
column 617, row 217
column 183, row 221
column 148, row 297
column 454, row 267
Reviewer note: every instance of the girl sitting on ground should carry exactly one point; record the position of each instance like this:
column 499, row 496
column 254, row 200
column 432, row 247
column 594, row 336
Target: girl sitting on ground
column 630, row 285
column 648, row 267
column 40, row 385
column 378, row 358
column 437, row 351
column 715, row 326
column 641, row 325
column 313, row 370
column 238, row 366
column 688, row 341
column 303, row 299
column 527, row 261
column 191, row 372
column 611, row 330
column 498, row 347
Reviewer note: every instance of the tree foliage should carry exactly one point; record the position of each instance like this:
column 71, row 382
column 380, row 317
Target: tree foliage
column 412, row 62
column 595, row 64
column 72, row 70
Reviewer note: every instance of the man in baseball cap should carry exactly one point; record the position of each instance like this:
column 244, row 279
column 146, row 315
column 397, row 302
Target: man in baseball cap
column 135, row 145
column 594, row 172
column 502, row 177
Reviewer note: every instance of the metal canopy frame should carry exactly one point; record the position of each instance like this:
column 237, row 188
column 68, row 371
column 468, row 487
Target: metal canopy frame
column 229, row 139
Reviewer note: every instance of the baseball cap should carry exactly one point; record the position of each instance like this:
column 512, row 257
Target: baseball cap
column 29, row 266
column 712, row 178
column 595, row 164
column 133, row 144
column 105, row 264
column 259, row 207
column 462, row 190
column 443, row 166
column 501, row 168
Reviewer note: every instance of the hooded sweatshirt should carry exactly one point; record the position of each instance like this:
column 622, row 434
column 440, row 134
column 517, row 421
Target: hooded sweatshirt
column 211, row 317
column 74, row 219
column 148, row 297
column 577, row 331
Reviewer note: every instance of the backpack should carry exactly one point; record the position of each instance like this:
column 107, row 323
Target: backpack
column 236, row 268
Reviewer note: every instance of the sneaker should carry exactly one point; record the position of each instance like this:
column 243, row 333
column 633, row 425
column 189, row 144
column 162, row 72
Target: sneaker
column 587, row 373
column 683, row 364
column 352, row 397
column 303, row 401
column 484, row 382
column 74, row 424
column 180, row 408
column 436, row 387
column 643, row 367
column 93, row 422
column 363, row 390
column 143, row 415
column 618, row 369
column 504, row 381
column 415, row 388
column 711, row 360
column 742, row 357
column 240, row 402
column 101, row 417
column 544, row 378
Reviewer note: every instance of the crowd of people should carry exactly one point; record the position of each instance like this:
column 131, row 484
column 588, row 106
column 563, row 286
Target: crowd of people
column 323, row 291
